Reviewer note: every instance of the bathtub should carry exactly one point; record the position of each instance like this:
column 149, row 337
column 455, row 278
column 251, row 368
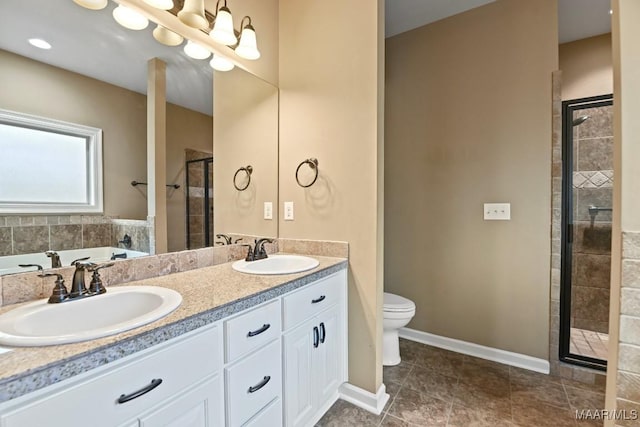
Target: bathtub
column 9, row 264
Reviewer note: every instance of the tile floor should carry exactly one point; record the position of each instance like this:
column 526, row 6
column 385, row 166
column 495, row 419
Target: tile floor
column 434, row 387
column 589, row 343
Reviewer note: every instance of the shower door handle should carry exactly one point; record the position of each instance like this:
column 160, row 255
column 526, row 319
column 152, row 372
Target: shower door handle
column 570, row 233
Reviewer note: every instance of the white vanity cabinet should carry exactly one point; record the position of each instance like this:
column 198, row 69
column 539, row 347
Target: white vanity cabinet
column 314, row 344
column 279, row 363
column 177, row 383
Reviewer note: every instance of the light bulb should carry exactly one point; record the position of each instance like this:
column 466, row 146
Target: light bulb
column 196, row 51
column 92, row 4
column 220, row 63
column 222, row 31
column 129, row 18
column 248, row 48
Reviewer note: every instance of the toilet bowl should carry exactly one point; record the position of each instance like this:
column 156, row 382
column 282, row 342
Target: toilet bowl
column 397, row 312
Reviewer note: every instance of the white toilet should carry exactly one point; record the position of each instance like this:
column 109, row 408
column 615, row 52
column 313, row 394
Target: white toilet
column 397, row 312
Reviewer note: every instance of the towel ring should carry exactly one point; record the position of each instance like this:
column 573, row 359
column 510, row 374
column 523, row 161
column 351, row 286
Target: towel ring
column 313, row 164
column 248, row 170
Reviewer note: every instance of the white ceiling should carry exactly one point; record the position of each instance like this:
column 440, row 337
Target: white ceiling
column 93, row 44
column 577, row 19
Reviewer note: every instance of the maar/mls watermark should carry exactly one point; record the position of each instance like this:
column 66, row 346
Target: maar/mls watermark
column 604, row 414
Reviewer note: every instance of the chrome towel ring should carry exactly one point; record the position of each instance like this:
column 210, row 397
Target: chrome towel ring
column 248, row 170
column 313, row 164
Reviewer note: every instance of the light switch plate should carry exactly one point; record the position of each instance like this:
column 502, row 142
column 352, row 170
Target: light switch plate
column 268, row 210
column 497, row 211
column 288, row 211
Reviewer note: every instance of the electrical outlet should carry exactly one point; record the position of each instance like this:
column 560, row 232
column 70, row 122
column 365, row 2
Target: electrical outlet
column 288, row 211
column 497, row 211
column 268, row 210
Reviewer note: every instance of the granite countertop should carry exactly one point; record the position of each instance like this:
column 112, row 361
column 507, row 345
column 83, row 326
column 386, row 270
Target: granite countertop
column 208, row 294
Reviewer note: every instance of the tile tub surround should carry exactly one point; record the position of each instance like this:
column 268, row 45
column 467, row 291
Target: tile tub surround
column 435, row 387
column 209, row 294
column 28, row 234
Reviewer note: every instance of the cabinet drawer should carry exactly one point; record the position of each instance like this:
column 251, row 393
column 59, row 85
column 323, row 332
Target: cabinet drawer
column 252, row 383
column 271, row 416
column 252, row 330
column 179, row 365
column 311, row 300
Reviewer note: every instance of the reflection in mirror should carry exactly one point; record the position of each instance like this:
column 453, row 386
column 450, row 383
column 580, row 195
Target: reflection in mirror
column 95, row 74
column 245, row 133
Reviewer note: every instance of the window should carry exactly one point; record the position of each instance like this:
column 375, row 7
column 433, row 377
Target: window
column 49, row 166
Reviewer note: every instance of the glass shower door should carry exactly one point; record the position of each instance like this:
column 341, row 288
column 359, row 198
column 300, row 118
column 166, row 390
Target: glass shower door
column 586, row 249
column 199, row 203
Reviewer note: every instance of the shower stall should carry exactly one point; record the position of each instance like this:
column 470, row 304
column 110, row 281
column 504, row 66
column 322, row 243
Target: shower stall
column 199, row 200
column 587, row 200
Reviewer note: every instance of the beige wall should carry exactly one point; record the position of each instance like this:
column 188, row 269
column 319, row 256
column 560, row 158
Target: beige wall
column 623, row 369
column 185, row 129
column 587, row 67
column 330, row 78
column 245, row 133
column 44, row 90
column 468, row 121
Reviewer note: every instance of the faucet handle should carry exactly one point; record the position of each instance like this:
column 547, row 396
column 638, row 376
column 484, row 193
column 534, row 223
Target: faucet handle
column 59, row 293
column 96, row 286
column 31, row 265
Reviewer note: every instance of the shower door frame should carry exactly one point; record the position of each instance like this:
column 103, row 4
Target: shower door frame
column 207, row 223
column 566, row 251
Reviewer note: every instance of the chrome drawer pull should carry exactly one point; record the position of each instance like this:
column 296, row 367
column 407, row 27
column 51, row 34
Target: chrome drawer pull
column 259, row 331
column 263, row 383
column 315, row 301
column 127, row 397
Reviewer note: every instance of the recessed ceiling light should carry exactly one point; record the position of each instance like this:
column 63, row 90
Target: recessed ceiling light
column 39, row 43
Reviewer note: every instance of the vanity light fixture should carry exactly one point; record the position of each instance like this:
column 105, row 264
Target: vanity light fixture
column 247, row 47
column 40, row 44
column 129, row 18
column 160, row 4
column 220, row 63
column 196, row 51
column 222, row 31
column 192, row 14
column 166, row 36
column 92, row 4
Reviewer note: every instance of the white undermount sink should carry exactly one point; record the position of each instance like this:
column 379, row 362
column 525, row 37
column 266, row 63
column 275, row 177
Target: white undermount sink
column 276, row 264
column 119, row 309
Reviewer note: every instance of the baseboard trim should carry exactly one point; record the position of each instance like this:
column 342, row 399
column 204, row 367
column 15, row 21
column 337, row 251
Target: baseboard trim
column 481, row 351
column 364, row 399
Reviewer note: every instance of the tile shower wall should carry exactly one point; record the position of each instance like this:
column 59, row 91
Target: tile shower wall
column 592, row 186
column 29, row 234
column 628, row 384
column 195, row 220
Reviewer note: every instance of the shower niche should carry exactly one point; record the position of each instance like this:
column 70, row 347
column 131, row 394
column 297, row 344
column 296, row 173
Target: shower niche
column 587, row 200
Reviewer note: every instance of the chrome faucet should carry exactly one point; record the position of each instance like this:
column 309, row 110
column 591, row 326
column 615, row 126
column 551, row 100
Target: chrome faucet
column 55, row 259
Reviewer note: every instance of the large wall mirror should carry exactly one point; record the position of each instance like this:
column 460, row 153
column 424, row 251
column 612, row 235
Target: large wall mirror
column 95, row 74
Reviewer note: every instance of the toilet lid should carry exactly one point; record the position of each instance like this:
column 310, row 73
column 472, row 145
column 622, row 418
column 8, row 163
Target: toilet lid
column 393, row 302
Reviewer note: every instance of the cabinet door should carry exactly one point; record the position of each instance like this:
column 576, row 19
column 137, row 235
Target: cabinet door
column 200, row 406
column 327, row 358
column 298, row 365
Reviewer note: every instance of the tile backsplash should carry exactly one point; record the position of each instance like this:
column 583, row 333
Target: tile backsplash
column 22, row 287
